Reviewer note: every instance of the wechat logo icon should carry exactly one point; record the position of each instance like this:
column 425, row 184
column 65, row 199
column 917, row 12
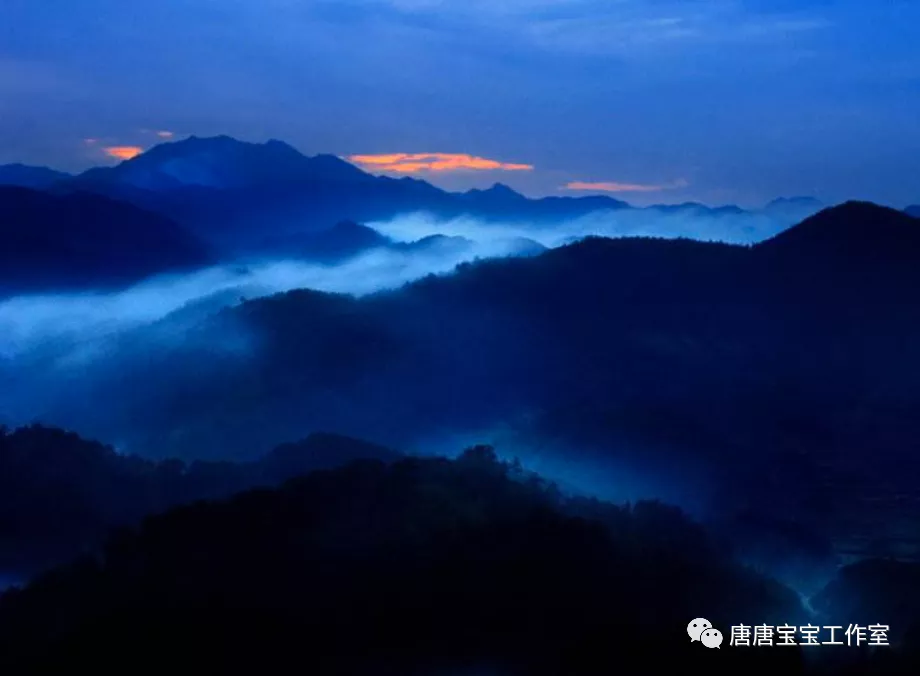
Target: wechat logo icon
column 702, row 630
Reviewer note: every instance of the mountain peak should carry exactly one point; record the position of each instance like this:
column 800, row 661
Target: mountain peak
column 225, row 162
column 502, row 189
column 496, row 191
column 794, row 201
column 852, row 230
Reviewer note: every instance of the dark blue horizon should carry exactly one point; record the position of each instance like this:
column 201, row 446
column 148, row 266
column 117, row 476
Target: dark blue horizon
column 728, row 102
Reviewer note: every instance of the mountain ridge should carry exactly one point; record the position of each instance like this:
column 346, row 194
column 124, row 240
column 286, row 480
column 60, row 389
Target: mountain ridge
column 28, row 176
column 853, row 230
column 225, row 190
column 85, row 239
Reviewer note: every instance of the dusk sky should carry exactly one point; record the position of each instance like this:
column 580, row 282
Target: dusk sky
column 719, row 101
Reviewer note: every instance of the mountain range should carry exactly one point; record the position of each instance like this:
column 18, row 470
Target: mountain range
column 769, row 387
column 232, row 194
column 348, row 239
column 202, row 201
column 715, row 361
column 738, row 376
column 220, row 184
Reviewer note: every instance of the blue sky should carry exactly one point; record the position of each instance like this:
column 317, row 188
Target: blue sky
column 659, row 100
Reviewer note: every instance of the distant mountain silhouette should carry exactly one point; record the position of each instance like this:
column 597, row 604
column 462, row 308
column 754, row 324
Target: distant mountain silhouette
column 223, row 163
column 791, row 210
column 87, row 241
column 498, row 191
column 237, row 194
column 794, row 202
column 343, row 240
column 697, row 209
column 462, row 247
column 30, row 177
column 348, row 239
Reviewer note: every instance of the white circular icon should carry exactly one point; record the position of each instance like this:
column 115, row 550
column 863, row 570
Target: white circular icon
column 711, row 638
column 697, row 627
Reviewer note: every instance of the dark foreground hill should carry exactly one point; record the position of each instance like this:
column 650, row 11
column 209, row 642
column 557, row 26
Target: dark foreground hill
column 60, row 494
column 410, row 568
column 86, row 241
column 427, row 567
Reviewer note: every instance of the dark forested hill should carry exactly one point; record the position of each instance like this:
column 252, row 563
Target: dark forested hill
column 432, row 566
column 747, row 375
column 60, row 494
column 412, row 568
column 855, row 233
column 774, row 386
column 87, row 241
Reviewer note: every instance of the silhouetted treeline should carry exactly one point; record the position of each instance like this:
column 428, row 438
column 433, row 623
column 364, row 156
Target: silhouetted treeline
column 60, row 494
column 396, row 569
column 427, row 566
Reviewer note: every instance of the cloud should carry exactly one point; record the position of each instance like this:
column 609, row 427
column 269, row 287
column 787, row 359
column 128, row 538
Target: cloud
column 613, row 186
column 628, row 29
column 123, row 152
column 413, row 163
column 38, row 321
column 160, row 133
column 730, row 227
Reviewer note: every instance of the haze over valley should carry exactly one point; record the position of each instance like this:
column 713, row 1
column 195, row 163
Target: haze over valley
column 388, row 338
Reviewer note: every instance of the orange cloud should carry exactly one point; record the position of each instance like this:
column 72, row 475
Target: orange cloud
column 613, row 186
column 123, row 152
column 409, row 163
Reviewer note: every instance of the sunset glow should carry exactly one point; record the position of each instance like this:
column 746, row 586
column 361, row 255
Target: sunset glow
column 408, row 163
column 123, row 152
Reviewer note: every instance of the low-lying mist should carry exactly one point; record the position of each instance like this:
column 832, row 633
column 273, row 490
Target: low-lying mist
column 29, row 322
column 732, row 227
column 53, row 346
column 132, row 369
